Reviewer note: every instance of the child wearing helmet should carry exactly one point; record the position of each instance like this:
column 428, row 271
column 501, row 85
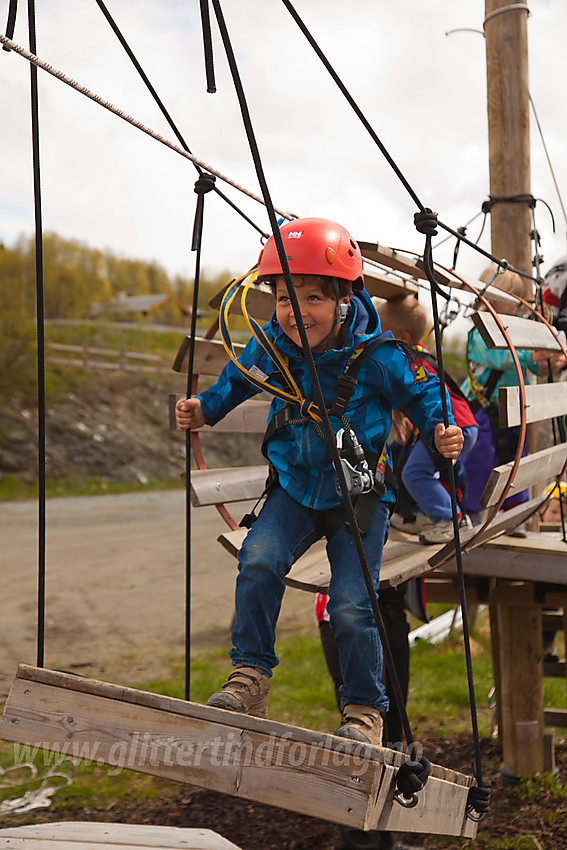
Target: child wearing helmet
column 303, row 505
column 554, row 293
column 490, row 369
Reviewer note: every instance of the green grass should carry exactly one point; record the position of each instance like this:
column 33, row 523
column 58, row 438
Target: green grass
column 12, row 489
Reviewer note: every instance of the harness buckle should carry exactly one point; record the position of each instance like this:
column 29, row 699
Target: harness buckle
column 359, row 478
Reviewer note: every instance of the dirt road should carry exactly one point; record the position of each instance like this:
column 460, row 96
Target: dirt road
column 115, row 585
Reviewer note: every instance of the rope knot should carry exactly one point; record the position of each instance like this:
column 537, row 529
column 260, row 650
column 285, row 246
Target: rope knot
column 478, row 799
column 426, row 222
column 205, row 183
column 412, row 776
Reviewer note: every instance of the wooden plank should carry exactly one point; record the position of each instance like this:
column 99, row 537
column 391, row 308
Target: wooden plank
column 540, row 467
column 555, row 717
column 405, row 263
column 209, row 358
column 250, row 417
column 309, row 772
column 502, row 559
column 230, row 484
column 543, row 401
column 441, row 795
column 442, row 587
column 402, row 560
column 260, row 302
column 502, row 522
column 382, row 285
column 523, row 333
column 92, row 834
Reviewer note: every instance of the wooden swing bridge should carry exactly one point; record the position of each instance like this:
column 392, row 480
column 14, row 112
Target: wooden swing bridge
column 261, row 760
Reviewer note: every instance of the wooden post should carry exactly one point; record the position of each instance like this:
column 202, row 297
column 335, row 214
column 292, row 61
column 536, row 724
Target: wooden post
column 505, row 29
column 508, row 130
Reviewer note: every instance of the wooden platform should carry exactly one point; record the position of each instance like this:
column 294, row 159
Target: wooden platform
column 90, row 835
column 309, row 772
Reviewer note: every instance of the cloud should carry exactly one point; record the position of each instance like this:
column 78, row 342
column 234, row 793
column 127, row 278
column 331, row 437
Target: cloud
column 424, row 93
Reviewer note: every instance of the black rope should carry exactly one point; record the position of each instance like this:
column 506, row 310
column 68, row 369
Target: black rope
column 508, row 199
column 208, row 47
column 11, row 23
column 40, row 324
column 426, row 223
column 351, row 100
column 319, row 399
column 204, row 184
column 163, row 109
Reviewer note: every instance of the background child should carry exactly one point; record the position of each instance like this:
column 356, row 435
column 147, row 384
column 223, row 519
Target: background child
column 421, row 475
column 490, row 369
column 304, row 505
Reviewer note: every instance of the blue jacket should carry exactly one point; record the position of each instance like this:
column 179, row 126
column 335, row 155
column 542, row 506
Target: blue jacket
column 385, row 382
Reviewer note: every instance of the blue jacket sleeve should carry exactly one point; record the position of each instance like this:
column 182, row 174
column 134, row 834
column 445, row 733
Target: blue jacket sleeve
column 232, row 388
column 417, row 393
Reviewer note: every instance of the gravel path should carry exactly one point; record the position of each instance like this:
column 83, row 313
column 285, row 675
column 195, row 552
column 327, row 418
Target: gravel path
column 115, row 585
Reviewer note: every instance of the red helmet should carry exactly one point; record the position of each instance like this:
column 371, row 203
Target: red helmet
column 314, row 246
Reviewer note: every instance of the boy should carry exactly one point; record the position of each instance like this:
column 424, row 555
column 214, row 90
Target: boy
column 303, row 505
column 404, row 316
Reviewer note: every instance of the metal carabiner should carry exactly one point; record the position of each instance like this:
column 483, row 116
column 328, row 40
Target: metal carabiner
column 403, row 801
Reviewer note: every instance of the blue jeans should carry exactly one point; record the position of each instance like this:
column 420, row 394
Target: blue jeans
column 283, row 531
column 421, row 478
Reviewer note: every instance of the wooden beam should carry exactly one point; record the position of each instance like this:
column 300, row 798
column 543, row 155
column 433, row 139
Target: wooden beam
column 543, row 401
column 540, row 467
column 555, row 717
column 442, row 587
column 310, row 772
column 523, row 333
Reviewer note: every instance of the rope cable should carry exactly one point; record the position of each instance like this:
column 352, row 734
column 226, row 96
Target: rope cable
column 208, row 47
column 319, row 399
column 204, row 184
column 45, row 66
column 551, row 169
column 163, row 109
column 40, row 331
column 11, row 22
column 379, row 143
column 428, row 266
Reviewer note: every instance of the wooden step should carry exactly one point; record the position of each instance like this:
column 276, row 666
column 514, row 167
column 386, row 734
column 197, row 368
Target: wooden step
column 90, row 835
column 313, row 773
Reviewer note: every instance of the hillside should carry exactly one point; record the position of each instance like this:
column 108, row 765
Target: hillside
column 112, row 431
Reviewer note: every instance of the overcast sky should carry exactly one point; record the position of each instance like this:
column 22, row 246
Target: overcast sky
column 423, row 91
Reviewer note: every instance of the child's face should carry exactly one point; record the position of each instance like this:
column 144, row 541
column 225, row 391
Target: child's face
column 318, row 312
column 553, row 511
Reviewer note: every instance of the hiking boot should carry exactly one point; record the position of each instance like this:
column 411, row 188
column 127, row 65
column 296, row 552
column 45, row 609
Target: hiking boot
column 411, row 525
column 442, row 531
column 246, row 690
column 361, row 723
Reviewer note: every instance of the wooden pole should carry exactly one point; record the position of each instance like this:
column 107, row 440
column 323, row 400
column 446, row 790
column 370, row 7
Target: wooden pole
column 505, row 29
column 506, row 38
